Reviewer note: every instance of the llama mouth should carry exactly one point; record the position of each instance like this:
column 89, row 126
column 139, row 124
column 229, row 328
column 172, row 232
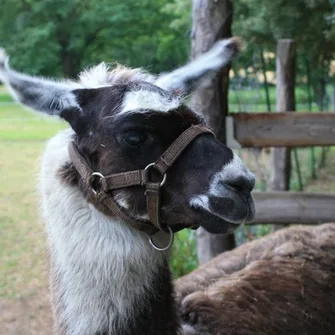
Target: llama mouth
column 211, row 212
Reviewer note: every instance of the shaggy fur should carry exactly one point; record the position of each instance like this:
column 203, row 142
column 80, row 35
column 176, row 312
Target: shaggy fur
column 106, row 277
column 280, row 284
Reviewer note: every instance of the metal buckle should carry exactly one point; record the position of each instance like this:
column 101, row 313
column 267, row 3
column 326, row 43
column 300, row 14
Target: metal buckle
column 169, row 244
column 95, row 174
column 154, row 166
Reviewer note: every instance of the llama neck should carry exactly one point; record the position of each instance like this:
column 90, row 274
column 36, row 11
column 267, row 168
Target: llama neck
column 106, row 278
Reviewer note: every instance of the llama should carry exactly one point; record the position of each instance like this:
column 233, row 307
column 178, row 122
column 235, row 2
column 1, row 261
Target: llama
column 279, row 284
column 111, row 212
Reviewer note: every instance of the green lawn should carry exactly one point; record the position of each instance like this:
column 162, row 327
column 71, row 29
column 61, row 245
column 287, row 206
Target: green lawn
column 254, row 100
column 22, row 250
column 18, row 124
column 22, row 246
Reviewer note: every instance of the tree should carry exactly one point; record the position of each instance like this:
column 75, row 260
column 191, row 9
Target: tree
column 212, row 21
column 309, row 22
column 61, row 37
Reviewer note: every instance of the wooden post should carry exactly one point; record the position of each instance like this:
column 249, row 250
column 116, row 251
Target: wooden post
column 266, row 83
column 281, row 157
column 212, row 21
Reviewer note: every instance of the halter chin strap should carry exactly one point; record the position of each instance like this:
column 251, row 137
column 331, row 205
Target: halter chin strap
column 98, row 185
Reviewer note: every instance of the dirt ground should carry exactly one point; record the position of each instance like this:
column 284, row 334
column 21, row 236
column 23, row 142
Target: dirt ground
column 26, row 316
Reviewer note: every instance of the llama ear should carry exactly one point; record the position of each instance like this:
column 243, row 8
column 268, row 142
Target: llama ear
column 43, row 95
column 187, row 78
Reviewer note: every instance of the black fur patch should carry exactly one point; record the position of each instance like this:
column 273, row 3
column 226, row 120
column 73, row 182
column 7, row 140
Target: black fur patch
column 158, row 316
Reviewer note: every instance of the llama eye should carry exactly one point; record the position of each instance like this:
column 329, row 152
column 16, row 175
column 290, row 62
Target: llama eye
column 190, row 318
column 193, row 318
column 135, row 138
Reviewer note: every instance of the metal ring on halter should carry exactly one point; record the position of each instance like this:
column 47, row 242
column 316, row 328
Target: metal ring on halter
column 164, row 175
column 169, row 244
column 98, row 174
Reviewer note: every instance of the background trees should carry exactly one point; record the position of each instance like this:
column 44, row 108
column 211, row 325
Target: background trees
column 61, row 37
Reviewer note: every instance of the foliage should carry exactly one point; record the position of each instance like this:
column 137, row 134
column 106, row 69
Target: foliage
column 60, row 37
column 182, row 12
column 184, row 254
column 308, row 22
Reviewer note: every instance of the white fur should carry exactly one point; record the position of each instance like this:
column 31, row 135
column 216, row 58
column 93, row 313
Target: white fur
column 188, row 77
column 200, row 201
column 188, row 330
column 102, row 75
column 96, row 76
column 99, row 260
column 145, row 101
column 122, row 200
column 51, row 97
column 231, row 171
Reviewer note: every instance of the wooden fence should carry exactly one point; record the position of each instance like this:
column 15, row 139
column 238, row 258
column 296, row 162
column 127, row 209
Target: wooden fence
column 289, row 130
column 285, row 129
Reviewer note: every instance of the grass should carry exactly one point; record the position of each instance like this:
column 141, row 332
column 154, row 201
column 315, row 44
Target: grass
column 254, row 99
column 301, row 94
column 22, row 251
column 22, row 240
column 4, row 96
column 19, row 124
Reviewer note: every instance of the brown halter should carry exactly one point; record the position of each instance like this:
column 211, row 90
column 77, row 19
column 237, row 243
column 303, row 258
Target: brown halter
column 98, row 185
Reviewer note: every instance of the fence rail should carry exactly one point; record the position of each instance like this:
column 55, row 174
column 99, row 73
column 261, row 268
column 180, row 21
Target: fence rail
column 294, row 207
column 286, row 130
column 283, row 129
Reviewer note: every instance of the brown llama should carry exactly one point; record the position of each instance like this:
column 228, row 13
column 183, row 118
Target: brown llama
column 283, row 283
column 136, row 166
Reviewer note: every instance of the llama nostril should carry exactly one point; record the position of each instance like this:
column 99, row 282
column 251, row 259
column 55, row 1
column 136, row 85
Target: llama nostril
column 241, row 183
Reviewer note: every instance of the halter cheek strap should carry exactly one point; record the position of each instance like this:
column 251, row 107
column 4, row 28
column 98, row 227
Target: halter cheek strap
column 99, row 185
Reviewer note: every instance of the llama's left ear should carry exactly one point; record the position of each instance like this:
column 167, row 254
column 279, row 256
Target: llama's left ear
column 44, row 95
column 187, row 78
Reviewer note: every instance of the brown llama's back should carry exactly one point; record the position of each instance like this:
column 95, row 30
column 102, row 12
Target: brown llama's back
column 281, row 284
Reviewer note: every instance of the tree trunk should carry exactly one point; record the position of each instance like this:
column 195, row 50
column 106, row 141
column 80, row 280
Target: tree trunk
column 281, row 157
column 310, row 101
column 266, row 83
column 212, row 21
column 67, row 61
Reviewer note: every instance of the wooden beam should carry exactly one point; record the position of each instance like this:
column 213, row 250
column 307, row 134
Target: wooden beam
column 285, row 73
column 294, row 207
column 212, row 20
column 284, row 129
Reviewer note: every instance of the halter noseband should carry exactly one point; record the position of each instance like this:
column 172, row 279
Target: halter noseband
column 98, row 185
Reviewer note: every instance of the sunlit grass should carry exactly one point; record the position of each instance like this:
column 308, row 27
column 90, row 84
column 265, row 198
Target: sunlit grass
column 17, row 123
column 22, row 240
column 22, row 251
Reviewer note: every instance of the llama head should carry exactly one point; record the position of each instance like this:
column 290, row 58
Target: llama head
column 125, row 119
